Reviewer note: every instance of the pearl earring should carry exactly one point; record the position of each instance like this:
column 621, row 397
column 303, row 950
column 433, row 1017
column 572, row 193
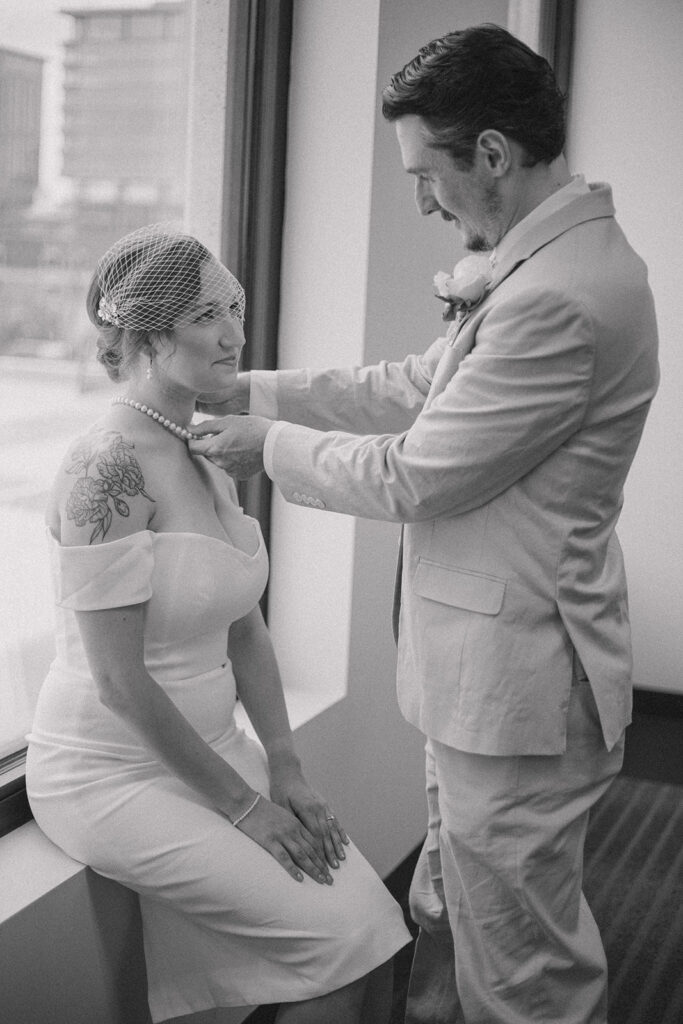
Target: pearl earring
column 149, row 368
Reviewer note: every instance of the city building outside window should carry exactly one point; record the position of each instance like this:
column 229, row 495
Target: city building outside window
column 107, row 107
column 92, row 135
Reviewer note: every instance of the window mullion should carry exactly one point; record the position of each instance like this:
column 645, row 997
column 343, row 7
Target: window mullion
column 256, row 133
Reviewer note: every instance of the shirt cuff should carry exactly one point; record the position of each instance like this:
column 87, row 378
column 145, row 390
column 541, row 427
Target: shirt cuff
column 262, row 394
column 271, row 438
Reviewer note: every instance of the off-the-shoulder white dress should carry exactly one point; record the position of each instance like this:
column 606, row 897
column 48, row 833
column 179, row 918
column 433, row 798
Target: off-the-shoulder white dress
column 224, row 924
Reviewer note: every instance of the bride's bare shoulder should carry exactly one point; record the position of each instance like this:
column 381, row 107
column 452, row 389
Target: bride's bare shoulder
column 102, row 490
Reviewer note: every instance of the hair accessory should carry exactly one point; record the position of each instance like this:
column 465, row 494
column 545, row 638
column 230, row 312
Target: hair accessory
column 106, row 311
column 157, row 276
column 182, row 432
column 249, row 809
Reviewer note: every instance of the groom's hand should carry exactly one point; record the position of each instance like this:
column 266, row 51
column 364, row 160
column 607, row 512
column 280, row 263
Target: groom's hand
column 235, row 443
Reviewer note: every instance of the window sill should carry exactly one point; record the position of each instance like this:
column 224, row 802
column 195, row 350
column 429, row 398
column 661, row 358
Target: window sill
column 302, row 706
column 44, row 888
column 36, row 866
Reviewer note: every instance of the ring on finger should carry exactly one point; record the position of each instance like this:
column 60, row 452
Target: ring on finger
column 330, row 817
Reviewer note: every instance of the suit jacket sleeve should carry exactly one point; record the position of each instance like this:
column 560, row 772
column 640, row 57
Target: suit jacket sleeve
column 515, row 398
column 385, row 398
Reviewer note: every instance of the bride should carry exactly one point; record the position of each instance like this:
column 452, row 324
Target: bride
column 250, row 890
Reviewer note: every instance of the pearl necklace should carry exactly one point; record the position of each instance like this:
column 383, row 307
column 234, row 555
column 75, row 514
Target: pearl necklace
column 182, row 432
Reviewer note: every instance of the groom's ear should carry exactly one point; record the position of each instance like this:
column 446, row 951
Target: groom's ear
column 494, row 152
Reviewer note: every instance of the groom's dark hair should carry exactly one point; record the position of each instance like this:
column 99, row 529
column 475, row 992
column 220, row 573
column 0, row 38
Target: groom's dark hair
column 478, row 78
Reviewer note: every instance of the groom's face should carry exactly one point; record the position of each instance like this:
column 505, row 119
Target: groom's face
column 466, row 197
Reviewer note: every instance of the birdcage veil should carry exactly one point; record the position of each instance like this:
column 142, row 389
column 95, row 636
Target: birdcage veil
column 152, row 277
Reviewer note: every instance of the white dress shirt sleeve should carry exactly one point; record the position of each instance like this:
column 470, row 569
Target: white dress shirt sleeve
column 263, row 394
column 271, row 438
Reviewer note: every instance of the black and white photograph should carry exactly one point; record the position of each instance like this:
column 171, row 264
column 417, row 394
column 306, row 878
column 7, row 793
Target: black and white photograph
column 341, row 659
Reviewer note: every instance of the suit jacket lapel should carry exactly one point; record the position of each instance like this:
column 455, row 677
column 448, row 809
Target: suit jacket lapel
column 596, row 204
column 455, row 351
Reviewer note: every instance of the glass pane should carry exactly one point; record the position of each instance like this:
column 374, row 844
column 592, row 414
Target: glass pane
column 93, row 132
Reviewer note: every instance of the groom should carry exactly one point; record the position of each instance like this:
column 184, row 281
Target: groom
column 503, row 449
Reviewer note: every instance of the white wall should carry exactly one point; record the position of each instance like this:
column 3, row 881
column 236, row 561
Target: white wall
column 358, row 264
column 625, row 128
column 406, row 249
column 324, row 267
column 360, row 752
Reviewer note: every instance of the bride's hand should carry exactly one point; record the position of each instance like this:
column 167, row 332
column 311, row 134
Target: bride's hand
column 289, row 789
column 285, row 837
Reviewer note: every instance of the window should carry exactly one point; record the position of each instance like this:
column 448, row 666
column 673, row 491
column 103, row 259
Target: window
column 149, row 26
column 69, row 185
column 100, row 149
column 102, row 26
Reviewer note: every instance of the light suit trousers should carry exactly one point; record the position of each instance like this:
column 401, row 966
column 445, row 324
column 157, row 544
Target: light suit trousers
column 506, row 935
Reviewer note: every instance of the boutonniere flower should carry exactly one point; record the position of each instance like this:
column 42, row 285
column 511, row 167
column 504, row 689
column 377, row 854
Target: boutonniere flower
column 465, row 287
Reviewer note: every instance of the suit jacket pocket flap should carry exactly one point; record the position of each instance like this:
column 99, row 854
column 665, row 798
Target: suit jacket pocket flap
column 459, row 587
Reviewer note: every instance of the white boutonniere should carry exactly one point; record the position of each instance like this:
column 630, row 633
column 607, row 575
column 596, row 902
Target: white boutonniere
column 465, row 287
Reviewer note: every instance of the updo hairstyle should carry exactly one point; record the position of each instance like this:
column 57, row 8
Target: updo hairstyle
column 145, row 282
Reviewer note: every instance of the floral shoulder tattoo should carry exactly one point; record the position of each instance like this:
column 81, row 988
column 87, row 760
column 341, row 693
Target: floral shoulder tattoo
column 107, row 469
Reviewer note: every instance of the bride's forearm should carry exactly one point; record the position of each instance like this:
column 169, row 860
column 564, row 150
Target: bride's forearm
column 162, row 727
column 114, row 645
column 260, row 687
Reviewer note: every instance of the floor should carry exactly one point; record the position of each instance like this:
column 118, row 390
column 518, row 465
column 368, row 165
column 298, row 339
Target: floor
column 633, row 878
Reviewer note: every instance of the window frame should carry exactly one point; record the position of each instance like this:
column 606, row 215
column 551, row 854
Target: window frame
column 254, row 193
column 547, row 26
column 251, row 239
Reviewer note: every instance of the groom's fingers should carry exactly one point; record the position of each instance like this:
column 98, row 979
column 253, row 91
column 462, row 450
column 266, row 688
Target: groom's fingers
column 207, row 427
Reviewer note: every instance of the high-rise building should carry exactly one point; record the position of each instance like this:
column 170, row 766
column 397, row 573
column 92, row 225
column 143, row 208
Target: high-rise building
column 125, row 95
column 21, row 79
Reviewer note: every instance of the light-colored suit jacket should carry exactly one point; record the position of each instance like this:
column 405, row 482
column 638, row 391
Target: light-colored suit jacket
column 504, row 450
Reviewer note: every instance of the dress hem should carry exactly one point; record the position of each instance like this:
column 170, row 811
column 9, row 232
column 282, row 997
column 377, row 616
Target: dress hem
column 164, row 1009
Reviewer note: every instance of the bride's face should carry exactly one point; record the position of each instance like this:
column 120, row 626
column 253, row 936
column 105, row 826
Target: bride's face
column 203, row 349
